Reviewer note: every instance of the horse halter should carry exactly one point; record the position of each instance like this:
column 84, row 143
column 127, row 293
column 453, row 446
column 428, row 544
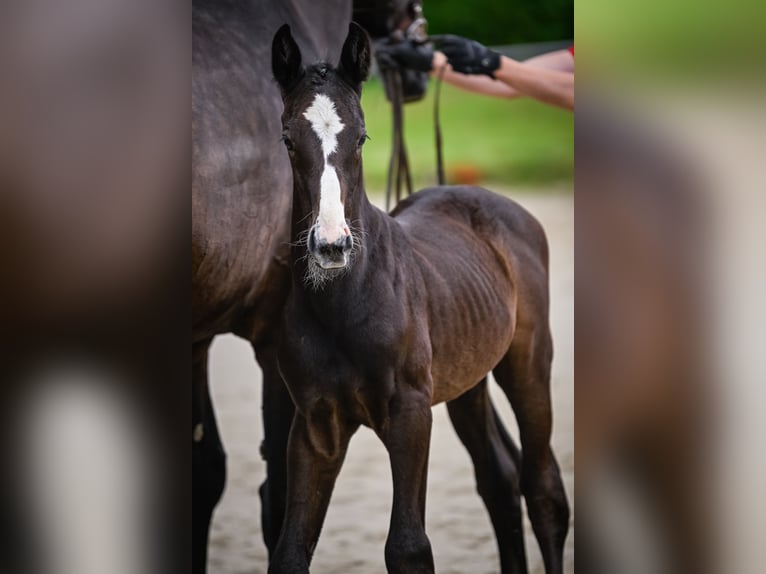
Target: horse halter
column 401, row 86
column 413, row 82
column 418, row 28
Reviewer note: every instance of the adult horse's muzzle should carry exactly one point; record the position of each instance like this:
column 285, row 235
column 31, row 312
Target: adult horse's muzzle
column 330, row 254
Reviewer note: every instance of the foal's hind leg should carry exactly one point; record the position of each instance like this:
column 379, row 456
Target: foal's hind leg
column 208, row 458
column 524, row 375
column 496, row 468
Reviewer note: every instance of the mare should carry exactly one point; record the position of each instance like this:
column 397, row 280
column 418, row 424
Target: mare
column 241, row 192
column 389, row 315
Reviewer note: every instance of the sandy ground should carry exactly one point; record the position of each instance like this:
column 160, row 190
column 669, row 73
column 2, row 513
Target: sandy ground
column 354, row 533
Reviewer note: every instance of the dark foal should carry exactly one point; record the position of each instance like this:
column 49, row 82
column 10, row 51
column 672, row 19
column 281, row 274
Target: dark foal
column 389, row 316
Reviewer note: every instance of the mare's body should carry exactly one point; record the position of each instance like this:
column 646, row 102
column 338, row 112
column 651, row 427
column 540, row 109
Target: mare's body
column 388, row 316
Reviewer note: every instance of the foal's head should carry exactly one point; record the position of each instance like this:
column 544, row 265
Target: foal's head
column 323, row 130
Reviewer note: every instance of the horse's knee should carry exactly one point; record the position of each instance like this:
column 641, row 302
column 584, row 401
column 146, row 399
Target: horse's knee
column 559, row 508
column 208, row 475
column 272, row 513
column 499, row 484
column 546, row 495
column 562, row 514
column 208, row 480
column 409, row 553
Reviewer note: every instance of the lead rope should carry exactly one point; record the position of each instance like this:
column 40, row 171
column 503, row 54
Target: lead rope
column 393, row 163
column 399, row 165
column 440, row 179
column 403, row 164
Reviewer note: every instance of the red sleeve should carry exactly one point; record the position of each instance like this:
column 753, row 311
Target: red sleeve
column 571, row 50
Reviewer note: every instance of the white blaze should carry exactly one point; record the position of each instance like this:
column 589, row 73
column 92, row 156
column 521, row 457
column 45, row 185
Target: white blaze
column 331, row 223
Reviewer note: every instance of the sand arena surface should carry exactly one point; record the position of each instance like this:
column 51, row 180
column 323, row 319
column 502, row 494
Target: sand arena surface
column 355, row 530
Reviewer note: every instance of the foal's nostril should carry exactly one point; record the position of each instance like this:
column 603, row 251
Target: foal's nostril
column 312, row 240
column 348, row 243
column 331, row 249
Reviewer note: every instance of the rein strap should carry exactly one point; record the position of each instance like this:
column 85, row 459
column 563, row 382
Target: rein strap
column 399, row 164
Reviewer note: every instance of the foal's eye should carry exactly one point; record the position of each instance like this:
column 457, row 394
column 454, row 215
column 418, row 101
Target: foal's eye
column 362, row 139
column 288, row 143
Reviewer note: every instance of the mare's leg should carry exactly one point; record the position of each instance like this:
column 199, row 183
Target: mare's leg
column 278, row 413
column 524, row 375
column 496, row 468
column 208, row 458
column 407, row 438
column 317, row 447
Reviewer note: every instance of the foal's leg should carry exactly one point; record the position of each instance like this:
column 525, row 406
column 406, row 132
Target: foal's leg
column 208, row 458
column 316, row 450
column 407, row 438
column 278, row 413
column 524, row 375
column 496, row 468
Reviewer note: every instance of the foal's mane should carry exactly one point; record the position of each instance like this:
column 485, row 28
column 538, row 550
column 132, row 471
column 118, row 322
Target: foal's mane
column 317, row 73
column 322, row 73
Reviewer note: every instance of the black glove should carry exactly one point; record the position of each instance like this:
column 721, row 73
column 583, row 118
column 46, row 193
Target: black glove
column 407, row 54
column 466, row 56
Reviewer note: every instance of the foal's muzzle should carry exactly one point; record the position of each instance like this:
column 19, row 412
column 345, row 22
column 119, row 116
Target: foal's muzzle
column 329, row 255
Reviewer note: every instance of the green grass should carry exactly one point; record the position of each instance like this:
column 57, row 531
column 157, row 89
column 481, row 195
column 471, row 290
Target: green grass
column 509, row 142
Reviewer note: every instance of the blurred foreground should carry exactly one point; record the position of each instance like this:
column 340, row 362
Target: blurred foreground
column 94, row 290
column 669, row 181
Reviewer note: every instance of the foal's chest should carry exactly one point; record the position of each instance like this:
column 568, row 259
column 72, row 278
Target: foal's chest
column 354, row 367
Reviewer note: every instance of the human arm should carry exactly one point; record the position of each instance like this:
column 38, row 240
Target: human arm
column 548, row 78
column 559, row 60
column 477, row 84
column 552, row 87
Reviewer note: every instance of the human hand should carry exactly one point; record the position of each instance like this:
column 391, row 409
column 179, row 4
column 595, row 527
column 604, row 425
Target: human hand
column 407, row 54
column 467, row 56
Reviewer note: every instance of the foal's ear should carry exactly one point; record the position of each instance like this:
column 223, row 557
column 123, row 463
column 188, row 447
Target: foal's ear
column 354, row 63
column 286, row 59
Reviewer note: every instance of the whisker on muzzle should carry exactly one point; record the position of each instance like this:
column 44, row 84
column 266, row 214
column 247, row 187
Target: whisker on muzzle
column 301, row 240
